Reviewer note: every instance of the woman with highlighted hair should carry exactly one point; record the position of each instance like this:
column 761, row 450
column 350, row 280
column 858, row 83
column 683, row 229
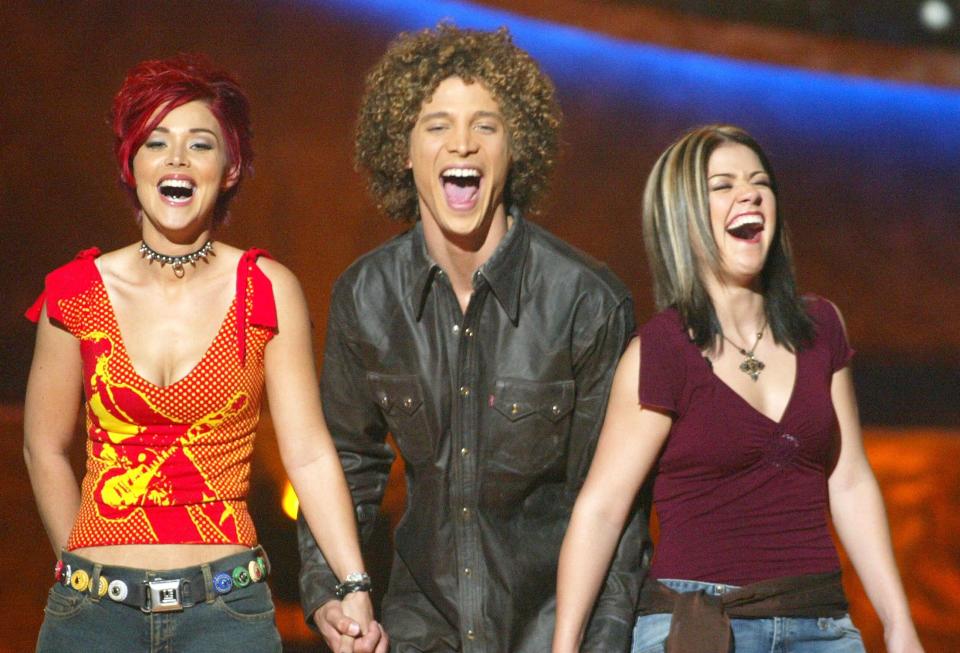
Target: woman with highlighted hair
column 739, row 397
column 173, row 341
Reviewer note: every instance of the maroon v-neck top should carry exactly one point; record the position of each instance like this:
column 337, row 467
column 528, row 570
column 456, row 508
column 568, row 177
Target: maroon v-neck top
column 742, row 498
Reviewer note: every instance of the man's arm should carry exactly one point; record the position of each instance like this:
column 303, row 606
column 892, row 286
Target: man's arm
column 611, row 624
column 359, row 433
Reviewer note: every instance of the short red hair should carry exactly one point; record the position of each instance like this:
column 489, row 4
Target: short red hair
column 167, row 84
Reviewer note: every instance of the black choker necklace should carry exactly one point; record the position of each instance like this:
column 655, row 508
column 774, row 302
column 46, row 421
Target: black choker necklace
column 176, row 262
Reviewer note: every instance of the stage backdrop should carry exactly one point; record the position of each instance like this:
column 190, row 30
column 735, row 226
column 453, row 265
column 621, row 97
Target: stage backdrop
column 867, row 160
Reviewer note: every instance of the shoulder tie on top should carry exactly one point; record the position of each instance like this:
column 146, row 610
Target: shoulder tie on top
column 264, row 311
column 62, row 282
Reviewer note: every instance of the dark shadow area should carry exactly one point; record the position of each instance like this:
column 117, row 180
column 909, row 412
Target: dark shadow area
column 905, row 393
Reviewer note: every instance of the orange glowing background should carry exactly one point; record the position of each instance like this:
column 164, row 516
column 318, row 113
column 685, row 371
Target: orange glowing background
column 302, row 64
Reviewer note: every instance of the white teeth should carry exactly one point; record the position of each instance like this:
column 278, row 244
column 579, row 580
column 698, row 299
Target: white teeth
column 176, row 183
column 744, row 220
column 461, row 172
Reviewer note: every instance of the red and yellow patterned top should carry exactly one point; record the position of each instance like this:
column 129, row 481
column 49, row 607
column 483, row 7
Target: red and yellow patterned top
column 165, row 465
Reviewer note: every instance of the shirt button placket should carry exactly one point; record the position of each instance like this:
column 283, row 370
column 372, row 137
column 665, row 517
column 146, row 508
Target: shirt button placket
column 468, row 424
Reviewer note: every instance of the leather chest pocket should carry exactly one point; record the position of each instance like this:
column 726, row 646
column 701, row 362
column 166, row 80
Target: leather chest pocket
column 400, row 397
column 531, row 423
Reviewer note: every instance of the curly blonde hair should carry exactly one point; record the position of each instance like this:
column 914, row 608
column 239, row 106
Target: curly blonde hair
column 409, row 73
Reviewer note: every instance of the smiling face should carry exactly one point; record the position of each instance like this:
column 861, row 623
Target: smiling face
column 743, row 210
column 460, row 158
column 181, row 169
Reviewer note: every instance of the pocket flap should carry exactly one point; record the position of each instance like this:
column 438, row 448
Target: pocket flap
column 396, row 393
column 516, row 399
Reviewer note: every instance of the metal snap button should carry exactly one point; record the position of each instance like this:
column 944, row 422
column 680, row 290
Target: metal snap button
column 222, row 583
column 241, row 577
column 256, row 574
column 79, row 580
column 117, row 590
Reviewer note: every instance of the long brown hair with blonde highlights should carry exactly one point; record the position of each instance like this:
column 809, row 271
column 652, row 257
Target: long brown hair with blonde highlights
column 676, row 226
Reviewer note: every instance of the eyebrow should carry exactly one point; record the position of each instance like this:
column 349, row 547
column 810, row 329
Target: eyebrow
column 194, row 130
column 446, row 114
column 488, row 114
column 730, row 174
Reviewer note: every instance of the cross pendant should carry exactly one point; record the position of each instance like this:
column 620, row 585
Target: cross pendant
column 752, row 366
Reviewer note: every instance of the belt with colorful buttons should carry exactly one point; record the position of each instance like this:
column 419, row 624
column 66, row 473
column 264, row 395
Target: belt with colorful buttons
column 157, row 591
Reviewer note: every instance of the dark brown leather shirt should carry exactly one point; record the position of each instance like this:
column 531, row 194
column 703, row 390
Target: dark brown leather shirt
column 496, row 413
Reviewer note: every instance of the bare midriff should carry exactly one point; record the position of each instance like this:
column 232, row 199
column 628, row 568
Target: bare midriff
column 157, row 556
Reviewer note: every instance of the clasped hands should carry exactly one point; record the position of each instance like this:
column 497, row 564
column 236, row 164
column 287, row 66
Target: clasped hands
column 348, row 626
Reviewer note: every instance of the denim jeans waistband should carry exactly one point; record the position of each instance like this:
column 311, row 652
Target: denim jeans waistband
column 683, row 586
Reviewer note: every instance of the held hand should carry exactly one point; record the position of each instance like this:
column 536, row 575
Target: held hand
column 373, row 638
column 348, row 626
column 337, row 629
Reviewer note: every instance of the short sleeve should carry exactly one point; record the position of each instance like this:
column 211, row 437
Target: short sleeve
column 662, row 370
column 830, row 330
column 64, row 283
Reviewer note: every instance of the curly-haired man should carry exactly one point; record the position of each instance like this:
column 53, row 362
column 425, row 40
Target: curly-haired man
column 484, row 344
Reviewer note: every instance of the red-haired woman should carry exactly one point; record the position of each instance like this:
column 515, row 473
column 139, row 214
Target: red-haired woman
column 173, row 340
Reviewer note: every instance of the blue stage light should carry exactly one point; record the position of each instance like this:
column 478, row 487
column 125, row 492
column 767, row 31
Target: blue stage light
column 911, row 121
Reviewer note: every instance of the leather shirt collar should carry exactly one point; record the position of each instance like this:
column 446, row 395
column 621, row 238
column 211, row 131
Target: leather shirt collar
column 503, row 271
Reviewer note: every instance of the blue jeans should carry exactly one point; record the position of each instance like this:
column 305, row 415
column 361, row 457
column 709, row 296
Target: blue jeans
column 772, row 635
column 241, row 620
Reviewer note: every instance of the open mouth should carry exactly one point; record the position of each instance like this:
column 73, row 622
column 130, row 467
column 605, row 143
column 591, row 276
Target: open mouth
column 461, row 187
column 746, row 227
column 176, row 191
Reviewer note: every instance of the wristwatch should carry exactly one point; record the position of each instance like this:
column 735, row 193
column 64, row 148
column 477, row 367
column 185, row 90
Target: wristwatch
column 357, row 581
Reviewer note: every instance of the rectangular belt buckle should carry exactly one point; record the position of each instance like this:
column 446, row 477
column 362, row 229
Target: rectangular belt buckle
column 164, row 596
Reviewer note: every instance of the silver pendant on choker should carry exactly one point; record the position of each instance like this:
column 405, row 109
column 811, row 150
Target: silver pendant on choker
column 177, row 262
